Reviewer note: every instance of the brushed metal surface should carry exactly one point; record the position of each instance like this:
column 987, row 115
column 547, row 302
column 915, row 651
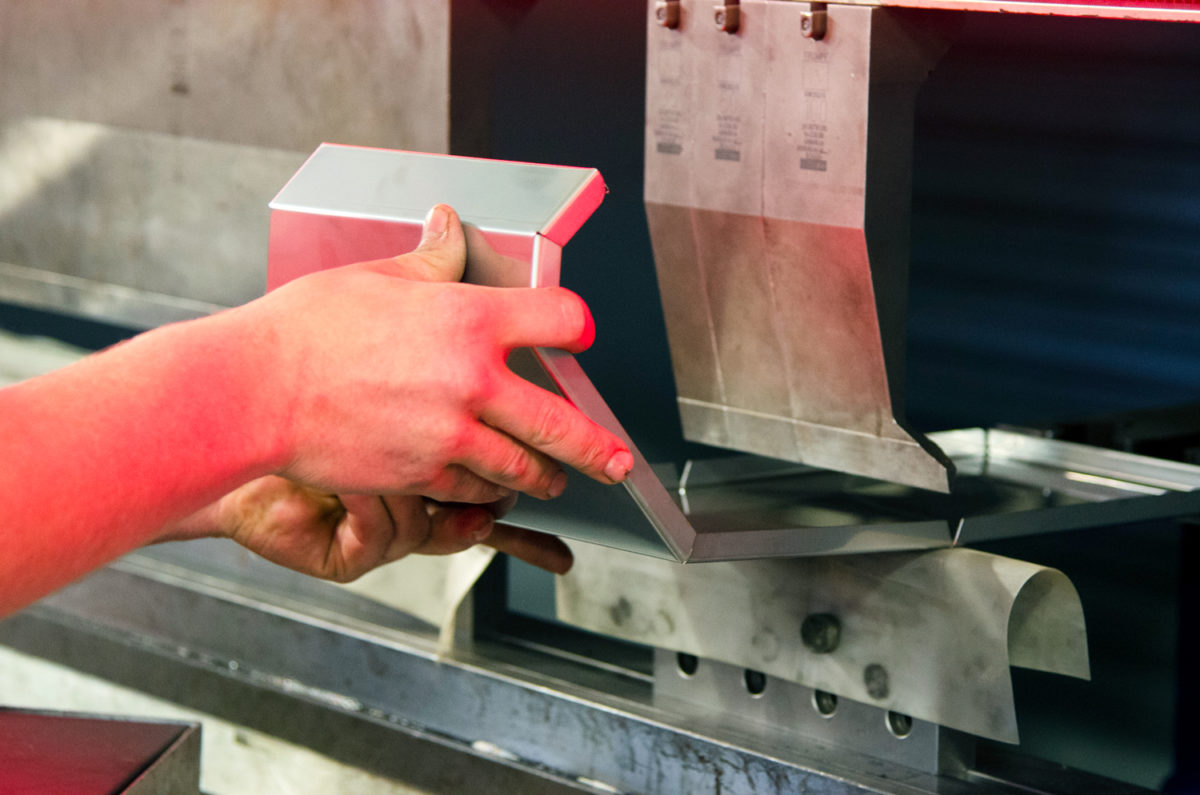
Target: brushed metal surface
column 140, row 142
column 944, row 625
column 777, row 199
column 260, row 73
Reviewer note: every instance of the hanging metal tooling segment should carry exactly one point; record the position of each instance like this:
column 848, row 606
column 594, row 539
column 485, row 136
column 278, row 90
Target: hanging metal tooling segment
column 777, row 190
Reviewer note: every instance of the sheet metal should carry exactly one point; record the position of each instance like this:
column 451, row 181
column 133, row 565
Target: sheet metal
column 928, row 634
column 1009, row 484
column 777, row 190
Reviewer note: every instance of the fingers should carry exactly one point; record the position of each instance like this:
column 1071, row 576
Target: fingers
column 454, row 528
column 548, row 317
column 457, row 483
column 441, row 256
column 499, row 459
column 379, row 530
column 500, row 508
column 541, row 550
column 549, row 423
column 375, row 531
column 458, row 527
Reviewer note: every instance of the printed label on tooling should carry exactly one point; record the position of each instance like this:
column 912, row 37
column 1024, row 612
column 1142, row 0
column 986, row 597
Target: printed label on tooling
column 727, row 138
column 812, row 147
column 669, row 119
column 728, row 141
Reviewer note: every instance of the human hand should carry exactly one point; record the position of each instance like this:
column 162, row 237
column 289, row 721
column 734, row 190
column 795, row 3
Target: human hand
column 341, row 538
column 393, row 384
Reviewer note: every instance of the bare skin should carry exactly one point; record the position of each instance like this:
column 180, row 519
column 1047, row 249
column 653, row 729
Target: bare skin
column 346, row 419
column 340, row 538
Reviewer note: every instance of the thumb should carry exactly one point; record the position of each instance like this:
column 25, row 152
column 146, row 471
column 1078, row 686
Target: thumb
column 441, row 255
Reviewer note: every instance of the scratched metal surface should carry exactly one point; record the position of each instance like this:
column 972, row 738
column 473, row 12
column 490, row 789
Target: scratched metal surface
column 943, row 625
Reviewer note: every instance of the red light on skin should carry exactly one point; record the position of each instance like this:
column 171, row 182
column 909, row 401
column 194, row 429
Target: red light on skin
column 589, row 332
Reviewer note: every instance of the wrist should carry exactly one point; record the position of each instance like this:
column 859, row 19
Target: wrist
column 260, row 382
column 208, row 522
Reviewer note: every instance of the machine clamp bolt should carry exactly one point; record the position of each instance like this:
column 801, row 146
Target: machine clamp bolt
column 814, row 21
column 666, row 13
column 821, row 633
column 727, row 16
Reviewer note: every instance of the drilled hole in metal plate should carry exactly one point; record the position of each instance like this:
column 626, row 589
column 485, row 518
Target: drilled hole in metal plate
column 824, row 703
column 756, row 682
column 899, row 724
column 687, row 663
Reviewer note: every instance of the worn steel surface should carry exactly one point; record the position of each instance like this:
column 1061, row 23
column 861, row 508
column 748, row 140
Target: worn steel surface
column 303, row 651
column 715, row 691
column 927, row 634
column 777, row 192
column 132, row 226
column 598, row 732
column 139, row 143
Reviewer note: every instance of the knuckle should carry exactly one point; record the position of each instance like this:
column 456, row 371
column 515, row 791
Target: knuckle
column 469, row 314
column 453, row 443
column 550, row 425
column 485, row 492
column 479, row 386
column 441, row 485
column 517, row 466
column 343, row 576
column 576, row 316
column 596, row 455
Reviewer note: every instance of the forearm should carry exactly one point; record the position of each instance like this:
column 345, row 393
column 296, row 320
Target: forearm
column 102, row 455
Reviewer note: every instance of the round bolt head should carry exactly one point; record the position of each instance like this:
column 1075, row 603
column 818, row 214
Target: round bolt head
column 875, row 677
column 821, row 633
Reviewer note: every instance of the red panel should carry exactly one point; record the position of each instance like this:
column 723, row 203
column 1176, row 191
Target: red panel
column 50, row 753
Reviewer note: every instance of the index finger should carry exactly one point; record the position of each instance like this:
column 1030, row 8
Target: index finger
column 542, row 317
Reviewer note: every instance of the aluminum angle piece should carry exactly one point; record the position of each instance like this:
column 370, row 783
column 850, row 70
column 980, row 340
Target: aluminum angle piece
column 350, row 204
